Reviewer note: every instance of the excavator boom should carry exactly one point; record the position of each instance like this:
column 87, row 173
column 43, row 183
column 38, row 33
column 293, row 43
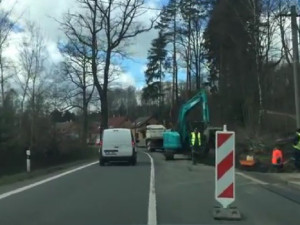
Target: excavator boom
column 200, row 97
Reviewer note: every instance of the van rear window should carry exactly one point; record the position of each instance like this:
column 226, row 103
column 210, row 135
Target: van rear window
column 117, row 137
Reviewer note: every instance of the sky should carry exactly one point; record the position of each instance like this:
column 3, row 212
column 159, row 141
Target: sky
column 43, row 12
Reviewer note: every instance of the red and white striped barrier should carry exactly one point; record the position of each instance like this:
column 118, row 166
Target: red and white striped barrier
column 225, row 167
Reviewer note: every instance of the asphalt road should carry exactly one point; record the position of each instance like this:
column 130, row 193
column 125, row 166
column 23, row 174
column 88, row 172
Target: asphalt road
column 119, row 194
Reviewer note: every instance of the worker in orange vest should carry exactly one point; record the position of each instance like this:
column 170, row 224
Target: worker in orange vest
column 277, row 158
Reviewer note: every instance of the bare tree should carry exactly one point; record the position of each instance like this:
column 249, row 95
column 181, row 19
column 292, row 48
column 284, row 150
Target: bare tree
column 32, row 55
column 268, row 53
column 77, row 69
column 282, row 21
column 273, row 46
column 105, row 28
column 6, row 27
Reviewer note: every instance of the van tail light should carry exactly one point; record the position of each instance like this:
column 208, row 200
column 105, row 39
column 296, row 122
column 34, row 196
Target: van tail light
column 100, row 143
column 133, row 144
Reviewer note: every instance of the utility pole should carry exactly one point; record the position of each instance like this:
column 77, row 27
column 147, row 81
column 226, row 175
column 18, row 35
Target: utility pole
column 295, row 31
column 295, row 61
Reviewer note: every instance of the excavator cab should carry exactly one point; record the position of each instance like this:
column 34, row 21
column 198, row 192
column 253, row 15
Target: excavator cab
column 197, row 124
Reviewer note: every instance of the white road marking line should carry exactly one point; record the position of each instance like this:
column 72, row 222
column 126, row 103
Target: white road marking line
column 152, row 218
column 27, row 187
column 252, row 178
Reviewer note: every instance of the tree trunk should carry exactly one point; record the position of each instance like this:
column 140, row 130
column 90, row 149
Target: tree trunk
column 188, row 62
column 104, row 105
column 100, row 90
column 259, row 80
column 223, row 85
column 258, row 65
column 198, row 62
column 104, row 112
column 284, row 45
column 2, row 91
column 173, row 94
column 23, row 101
column 197, row 69
column 187, row 72
column 261, row 109
column 2, row 78
column 175, row 67
column 85, row 119
column 84, row 104
column 189, row 75
column 85, row 123
column 160, row 84
column 33, row 115
column 200, row 78
column 259, row 85
column 195, row 52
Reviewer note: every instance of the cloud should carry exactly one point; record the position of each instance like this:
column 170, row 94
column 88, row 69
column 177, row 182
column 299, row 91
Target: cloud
column 124, row 80
column 143, row 69
column 11, row 51
column 135, row 67
column 54, row 52
column 43, row 13
column 142, row 42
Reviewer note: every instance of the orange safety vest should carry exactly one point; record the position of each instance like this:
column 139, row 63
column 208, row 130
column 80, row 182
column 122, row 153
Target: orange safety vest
column 277, row 157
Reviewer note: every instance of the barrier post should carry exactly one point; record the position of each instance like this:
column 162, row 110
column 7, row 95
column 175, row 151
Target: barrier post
column 225, row 175
column 28, row 160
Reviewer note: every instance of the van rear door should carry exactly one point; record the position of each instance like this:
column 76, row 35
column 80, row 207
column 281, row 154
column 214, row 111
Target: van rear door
column 117, row 143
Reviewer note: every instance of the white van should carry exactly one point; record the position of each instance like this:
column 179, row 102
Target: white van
column 117, row 145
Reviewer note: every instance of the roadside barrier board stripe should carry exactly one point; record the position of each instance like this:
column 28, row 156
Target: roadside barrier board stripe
column 225, row 168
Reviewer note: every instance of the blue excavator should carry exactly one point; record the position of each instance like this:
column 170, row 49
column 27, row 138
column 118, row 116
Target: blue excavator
column 178, row 142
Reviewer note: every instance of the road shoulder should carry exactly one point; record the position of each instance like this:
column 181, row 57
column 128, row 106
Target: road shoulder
column 284, row 179
column 15, row 181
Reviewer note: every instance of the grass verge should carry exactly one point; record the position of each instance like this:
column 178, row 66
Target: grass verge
column 10, row 179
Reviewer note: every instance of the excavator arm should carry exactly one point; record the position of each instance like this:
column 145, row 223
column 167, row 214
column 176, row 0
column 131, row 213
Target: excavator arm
column 200, row 97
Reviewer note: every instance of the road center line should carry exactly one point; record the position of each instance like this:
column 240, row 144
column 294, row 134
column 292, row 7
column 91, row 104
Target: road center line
column 18, row 190
column 152, row 218
column 251, row 178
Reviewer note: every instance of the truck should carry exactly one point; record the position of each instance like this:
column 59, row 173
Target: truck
column 154, row 137
column 178, row 142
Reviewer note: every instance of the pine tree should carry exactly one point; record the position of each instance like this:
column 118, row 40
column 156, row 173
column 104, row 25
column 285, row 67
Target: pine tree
column 155, row 71
column 168, row 26
column 230, row 54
